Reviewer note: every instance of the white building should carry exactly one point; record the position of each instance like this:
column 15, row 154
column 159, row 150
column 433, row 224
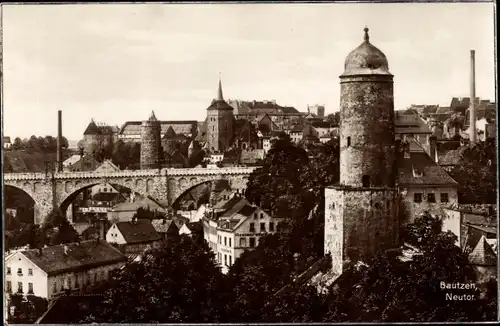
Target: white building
column 50, row 271
column 134, row 236
column 241, row 230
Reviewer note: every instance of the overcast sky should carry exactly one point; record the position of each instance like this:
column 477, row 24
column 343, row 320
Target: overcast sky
column 117, row 62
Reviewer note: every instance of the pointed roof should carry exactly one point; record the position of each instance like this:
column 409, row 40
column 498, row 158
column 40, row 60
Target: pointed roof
column 219, row 103
column 483, row 254
column 152, row 117
column 92, row 129
column 170, row 133
column 220, row 97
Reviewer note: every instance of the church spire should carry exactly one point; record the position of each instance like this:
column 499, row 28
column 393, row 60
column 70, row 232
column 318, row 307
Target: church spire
column 219, row 91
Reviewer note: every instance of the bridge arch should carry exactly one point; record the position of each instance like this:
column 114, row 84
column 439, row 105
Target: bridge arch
column 26, row 206
column 73, row 189
column 234, row 183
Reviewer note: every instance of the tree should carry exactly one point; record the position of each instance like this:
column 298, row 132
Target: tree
column 33, row 144
column 65, row 234
column 18, row 144
column 476, row 174
column 181, row 283
column 333, row 118
column 392, row 290
column 27, row 309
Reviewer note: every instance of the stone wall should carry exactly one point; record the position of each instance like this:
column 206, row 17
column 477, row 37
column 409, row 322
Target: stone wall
column 359, row 222
column 367, row 130
column 150, row 144
column 220, row 129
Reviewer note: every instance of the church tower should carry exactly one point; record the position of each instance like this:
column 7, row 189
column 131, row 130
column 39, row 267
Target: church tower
column 361, row 211
column 150, row 143
column 220, row 123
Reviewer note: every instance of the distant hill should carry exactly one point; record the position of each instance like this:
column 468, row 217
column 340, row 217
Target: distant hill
column 24, row 161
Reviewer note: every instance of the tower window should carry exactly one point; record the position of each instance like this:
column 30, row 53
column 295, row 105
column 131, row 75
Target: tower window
column 366, row 181
column 431, row 198
column 349, row 141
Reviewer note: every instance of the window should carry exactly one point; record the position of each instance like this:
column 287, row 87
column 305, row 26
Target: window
column 243, row 242
column 9, row 287
column 19, row 287
column 225, row 259
column 417, row 197
column 95, row 278
column 255, row 216
column 252, row 242
column 30, row 271
column 261, row 215
column 30, row 288
column 431, row 198
column 229, row 242
column 54, row 287
column 225, row 241
column 271, row 226
column 77, row 282
column 262, row 227
column 230, row 260
column 20, row 271
column 366, row 181
column 252, row 227
column 102, row 276
column 348, row 141
column 8, row 271
column 444, row 197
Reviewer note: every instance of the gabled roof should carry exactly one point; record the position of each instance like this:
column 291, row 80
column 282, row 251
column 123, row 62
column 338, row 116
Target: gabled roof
column 91, row 129
column 170, row 133
column 450, row 157
column 6, row 139
column 432, row 173
column 163, row 225
column 138, row 232
column 86, row 254
column 107, row 166
column 483, row 254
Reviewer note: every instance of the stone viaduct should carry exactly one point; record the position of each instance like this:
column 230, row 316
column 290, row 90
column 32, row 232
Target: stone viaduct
column 61, row 188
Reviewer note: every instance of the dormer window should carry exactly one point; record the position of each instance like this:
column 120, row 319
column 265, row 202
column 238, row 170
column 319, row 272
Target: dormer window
column 417, row 172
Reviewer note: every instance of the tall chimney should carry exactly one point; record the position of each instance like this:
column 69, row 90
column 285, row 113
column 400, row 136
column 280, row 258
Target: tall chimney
column 472, row 107
column 59, row 141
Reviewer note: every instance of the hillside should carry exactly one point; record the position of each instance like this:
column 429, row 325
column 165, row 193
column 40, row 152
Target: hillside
column 24, row 161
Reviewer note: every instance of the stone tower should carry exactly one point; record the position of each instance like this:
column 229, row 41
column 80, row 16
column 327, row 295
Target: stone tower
column 150, row 143
column 220, row 123
column 361, row 211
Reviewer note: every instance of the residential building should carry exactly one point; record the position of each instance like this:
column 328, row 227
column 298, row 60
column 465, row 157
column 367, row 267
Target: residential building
column 7, row 144
column 77, row 163
column 167, row 229
column 97, row 135
column 134, row 236
column 423, row 184
column 50, row 271
column 240, row 230
column 411, row 126
column 131, row 130
column 125, row 211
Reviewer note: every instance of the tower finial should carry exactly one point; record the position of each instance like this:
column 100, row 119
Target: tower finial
column 152, row 117
column 219, row 91
column 367, row 37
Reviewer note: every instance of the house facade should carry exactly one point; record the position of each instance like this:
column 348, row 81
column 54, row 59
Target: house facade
column 51, row 271
column 134, row 236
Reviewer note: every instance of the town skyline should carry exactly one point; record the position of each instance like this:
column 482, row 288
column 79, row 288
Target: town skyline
column 113, row 83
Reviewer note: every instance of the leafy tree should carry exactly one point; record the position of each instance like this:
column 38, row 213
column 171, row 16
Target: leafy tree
column 476, row 174
column 27, row 308
column 147, row 214
column 65, row 234
column 18, row 144
column 392, row 290
column 181, row 283
column 33, row 144
column 196, row 157
column 333, row 118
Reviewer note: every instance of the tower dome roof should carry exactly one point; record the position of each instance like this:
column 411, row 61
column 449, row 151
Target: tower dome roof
column 366, row 59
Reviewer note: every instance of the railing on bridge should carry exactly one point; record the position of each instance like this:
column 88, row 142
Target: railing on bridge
column 130, row 173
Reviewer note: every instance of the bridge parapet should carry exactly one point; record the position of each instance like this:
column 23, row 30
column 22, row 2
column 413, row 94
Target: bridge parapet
column 117, row 174
column 24, row 176
column 210, row 171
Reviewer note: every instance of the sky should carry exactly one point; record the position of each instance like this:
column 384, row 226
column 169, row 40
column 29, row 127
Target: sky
column 116, row 63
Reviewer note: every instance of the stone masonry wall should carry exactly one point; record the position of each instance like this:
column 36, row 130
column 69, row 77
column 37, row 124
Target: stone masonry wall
column 150, row 144
column 359, row 222
column 367, row 121
column 220, row 129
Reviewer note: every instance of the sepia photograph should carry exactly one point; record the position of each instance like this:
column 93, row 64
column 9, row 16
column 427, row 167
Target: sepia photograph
column 239, row 162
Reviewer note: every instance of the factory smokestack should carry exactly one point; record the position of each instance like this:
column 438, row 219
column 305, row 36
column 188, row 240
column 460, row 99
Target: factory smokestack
column 472, row 107
column 59, row 141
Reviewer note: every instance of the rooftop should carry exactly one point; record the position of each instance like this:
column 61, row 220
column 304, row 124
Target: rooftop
column 483, row 254
column 86, row 254
column 138, row 232
column 428, row 172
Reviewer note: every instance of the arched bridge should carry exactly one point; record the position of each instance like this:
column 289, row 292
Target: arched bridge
column 59, row 189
